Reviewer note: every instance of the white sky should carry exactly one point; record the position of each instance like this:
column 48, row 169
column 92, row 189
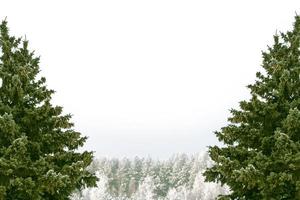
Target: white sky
column 149, row 77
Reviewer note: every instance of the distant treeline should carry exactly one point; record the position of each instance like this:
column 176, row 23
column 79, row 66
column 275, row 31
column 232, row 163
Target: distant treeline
column 179, row 177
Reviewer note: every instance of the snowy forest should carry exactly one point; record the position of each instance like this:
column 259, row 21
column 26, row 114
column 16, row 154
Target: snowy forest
column 178, row 178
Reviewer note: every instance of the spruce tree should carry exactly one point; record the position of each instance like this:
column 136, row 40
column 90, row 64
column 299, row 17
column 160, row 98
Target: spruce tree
column 38, row 147
column 260, row 158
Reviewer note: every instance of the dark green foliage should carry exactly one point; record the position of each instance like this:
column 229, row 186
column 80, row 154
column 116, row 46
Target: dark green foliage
column 261, row 155
column 38, row 158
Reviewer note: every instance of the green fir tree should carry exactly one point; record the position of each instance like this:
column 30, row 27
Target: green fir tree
column 38, row 147
column 260, row 158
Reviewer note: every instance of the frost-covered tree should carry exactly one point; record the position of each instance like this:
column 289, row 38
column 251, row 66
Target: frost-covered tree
column 113, row 176
column 206, row 190
column 260, row 158
column 181, row 169
column 163, row 179
column 38, row 157
column 124, row 176
column 145, row 190
column 180, row 193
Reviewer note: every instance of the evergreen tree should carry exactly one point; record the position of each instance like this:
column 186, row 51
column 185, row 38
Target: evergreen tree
column 260, row 158
column 145, row 190
column 38, row 157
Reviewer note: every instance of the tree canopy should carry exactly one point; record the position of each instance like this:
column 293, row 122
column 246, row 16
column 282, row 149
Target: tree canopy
column 260, row 158
column 38, row 147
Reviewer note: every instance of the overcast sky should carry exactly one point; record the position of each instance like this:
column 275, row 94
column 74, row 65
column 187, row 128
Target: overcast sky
column 152, row 77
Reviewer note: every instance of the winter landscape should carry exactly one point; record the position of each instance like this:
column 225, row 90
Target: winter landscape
column 149, row 100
